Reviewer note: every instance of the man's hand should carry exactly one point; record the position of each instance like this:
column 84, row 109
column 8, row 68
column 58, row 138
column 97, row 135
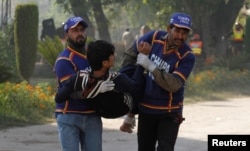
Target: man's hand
column 106, row 86
column 144, row 47
column 144, row 61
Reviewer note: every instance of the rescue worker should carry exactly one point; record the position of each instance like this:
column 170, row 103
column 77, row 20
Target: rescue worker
column 196, row 45
column 237, row 39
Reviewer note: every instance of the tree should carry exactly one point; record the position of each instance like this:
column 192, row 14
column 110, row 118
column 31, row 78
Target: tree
column 214, row 20
column 78, row 8
column 91, row 11
column 26, row 38
column 211, row 18
column 102, row 22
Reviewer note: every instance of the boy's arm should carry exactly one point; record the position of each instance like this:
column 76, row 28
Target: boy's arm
column 131, row 84
column 75, row 85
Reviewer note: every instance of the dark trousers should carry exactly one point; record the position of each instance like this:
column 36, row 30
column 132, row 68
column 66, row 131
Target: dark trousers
column 158, row 129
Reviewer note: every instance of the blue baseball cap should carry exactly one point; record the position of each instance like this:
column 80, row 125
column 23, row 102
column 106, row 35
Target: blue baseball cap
column 72, row 22
column 181, row 20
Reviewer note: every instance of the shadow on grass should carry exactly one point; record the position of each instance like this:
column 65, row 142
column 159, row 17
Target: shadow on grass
column 13, row 122
column 10, row 122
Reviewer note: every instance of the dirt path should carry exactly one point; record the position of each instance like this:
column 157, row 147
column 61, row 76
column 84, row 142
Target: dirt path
column 211, row 117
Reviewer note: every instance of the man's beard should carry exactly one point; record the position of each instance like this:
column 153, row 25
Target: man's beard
column 78, row 44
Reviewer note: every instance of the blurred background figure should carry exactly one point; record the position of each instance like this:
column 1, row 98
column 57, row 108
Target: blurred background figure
column 196, row 44
column 144, row 29
column 236, row 40
column 127, row 38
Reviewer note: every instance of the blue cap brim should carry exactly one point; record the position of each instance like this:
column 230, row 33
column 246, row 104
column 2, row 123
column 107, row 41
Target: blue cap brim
column 180, row 26
column 82, row 22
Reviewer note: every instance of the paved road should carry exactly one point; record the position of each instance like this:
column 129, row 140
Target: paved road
column 210, row 117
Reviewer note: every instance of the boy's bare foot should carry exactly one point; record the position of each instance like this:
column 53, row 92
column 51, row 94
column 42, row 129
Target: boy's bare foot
column 125, row 127
column 128, row 123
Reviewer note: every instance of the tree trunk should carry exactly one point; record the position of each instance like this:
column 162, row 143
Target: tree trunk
column 222, row 21
column 81, row 8
column 101, row 20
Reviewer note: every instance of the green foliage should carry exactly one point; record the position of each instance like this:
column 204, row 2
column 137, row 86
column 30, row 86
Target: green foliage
column 26, row 38
column 50, row 48
column 217, row 80
column 22, row 103
column 233, row 62
column 7, row 54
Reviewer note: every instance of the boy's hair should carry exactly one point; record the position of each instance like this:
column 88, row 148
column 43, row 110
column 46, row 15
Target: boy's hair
column 99, row 51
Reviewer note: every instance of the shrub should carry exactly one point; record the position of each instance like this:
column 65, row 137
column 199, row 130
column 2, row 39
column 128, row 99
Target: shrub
column 8, row 68
column 49, row 48
column 26, row 38
column 22, row 103
column 218, row 80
